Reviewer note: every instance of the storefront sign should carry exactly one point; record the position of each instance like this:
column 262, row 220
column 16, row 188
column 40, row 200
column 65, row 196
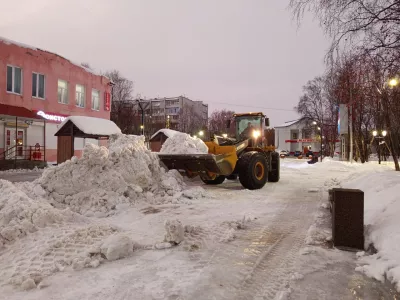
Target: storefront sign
column 107, row 101
column 50, row 117
column 301, row 141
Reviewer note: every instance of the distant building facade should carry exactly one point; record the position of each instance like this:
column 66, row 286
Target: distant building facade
column 175, row 112
column 304, row 134
column 296, row 136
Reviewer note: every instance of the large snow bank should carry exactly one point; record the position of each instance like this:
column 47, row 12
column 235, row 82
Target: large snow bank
column 126, row 172
column 381, row 217
column 95, row 126
column 182, row 143
column 20, row 214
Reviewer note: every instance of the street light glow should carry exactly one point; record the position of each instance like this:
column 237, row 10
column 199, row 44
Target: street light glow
column 374, row 133
column 141, row 126
column 393, row 82
column 225, row 135
column 314, row 123
column 201, row 133
column 384, row 133
column 319, row 128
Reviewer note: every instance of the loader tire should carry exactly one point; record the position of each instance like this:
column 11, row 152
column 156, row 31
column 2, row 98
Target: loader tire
column 232, row 177
column 218, row 180
column 274, row 173
column 253, row 170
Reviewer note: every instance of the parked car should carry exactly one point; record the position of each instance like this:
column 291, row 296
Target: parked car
column 284, row 152
column 297, row 153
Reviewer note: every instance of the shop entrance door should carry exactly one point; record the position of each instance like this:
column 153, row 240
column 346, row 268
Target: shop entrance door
column 15, row 141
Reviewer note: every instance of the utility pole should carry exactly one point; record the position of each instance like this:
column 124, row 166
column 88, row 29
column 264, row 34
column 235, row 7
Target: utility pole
column 142, row 111
column 351, row 125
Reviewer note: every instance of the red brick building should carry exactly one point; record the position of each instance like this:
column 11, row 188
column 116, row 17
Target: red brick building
column 38, row 89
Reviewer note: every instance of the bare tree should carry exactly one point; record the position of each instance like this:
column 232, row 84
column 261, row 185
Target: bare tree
column 189, row 121
column 373, row 26
column 218, row 121
column 123, row 87
column 319, row 108
column 123, row 108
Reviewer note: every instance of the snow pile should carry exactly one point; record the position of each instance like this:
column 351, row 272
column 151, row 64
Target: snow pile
column 126, row 172
column 174, row 231
column 381, row 217
column 20, row 215
column 182, row 143
column 117, row 246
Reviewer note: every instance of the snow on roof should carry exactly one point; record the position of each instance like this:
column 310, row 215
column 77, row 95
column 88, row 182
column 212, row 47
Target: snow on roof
column 94, row 126
column 11, row 42
column 289, row 123
column 168, row 132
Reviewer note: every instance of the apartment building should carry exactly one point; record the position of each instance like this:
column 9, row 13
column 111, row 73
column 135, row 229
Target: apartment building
column 38, row 90
column 173, row 111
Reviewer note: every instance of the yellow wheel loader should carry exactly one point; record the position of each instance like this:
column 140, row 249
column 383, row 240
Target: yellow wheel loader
column 244, row 156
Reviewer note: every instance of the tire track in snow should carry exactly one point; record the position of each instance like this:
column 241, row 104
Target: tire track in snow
column 262, row 267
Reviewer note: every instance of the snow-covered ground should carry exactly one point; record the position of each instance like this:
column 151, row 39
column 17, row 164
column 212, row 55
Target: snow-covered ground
column 20, row 175
column 382, row 211
column 70, row 238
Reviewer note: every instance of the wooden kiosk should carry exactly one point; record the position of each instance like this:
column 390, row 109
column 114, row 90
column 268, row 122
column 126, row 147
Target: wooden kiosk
column 81, row 127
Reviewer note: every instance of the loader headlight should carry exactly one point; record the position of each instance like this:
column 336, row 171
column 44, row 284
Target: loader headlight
column 256, row 133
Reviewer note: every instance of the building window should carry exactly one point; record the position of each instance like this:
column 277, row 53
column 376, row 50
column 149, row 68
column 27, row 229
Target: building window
column 62, row 92
column 14, row 80
column 95, row 100
column 307, row 134
column 80, row 95
column 38, row 85
column 295, row 136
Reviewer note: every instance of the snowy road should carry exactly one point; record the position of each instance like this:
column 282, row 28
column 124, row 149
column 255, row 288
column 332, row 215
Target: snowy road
column 260, row 261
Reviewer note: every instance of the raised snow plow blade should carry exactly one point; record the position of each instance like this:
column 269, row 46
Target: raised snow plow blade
column 204, row 164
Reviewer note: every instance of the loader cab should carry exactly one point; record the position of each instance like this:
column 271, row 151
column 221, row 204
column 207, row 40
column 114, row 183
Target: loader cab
column 249, row 125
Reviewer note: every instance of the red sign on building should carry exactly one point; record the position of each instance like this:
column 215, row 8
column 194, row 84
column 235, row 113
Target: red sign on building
column 107, row 101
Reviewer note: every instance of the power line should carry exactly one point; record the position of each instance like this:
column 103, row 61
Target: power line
column 251, row 106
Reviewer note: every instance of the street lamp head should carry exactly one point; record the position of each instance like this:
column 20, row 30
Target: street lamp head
column 374, row 133
column 393, row 82
column 319, row 128
column 384, row 133
column 201, row 133
column 314, row 123
column 168, row 117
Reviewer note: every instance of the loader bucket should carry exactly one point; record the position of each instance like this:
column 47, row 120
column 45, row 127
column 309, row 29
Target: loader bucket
column 223, row 162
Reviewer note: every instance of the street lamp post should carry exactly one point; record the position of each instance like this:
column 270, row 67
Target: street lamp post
column 378, row 138
column 319, row 128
